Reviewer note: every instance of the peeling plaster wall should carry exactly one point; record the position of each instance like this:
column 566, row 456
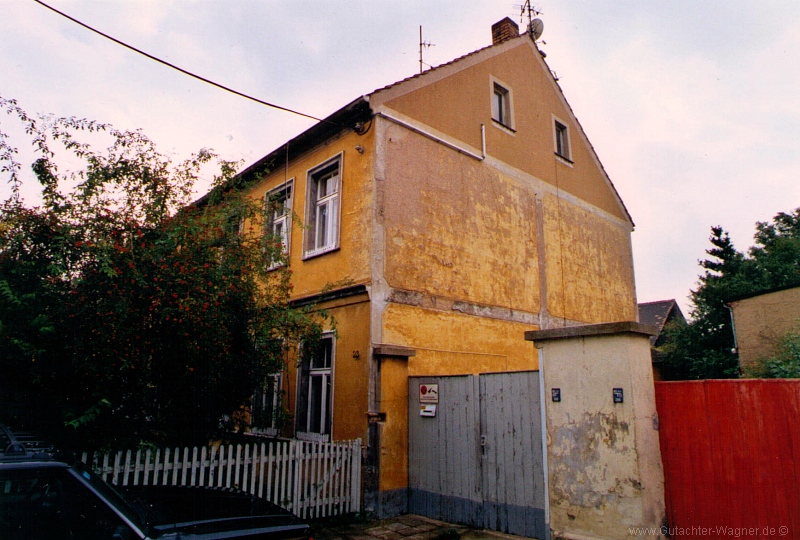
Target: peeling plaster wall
column 604, row 458
column 457, row 229
column 589, row 265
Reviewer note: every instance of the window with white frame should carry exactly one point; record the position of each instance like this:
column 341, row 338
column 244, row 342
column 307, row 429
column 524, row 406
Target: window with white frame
column 315, row 391
column 501, row 105
column 561, row 134
column 278, row 206
column 266, row 406
column 322, row 207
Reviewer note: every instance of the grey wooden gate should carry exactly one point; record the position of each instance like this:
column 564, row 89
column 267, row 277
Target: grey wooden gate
column 478, row 461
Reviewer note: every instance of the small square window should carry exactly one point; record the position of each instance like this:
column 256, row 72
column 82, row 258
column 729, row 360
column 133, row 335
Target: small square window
column 501, row 105
column 322, row 208
column 562, row 141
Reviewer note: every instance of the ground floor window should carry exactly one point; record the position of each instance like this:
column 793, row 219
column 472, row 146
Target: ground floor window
column 266, row 406
column 315, row 391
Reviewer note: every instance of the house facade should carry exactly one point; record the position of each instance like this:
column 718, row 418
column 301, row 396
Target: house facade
column 760, row 320
column 437, row 220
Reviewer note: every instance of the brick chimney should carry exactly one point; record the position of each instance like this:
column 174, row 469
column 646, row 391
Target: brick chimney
column 503, row 30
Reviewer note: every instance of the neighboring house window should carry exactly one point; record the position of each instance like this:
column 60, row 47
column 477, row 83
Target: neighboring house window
column 314, row 392
column 322, row 207
column 562, row 140
column 501, row 105
column 266, row 406
column 278, row 204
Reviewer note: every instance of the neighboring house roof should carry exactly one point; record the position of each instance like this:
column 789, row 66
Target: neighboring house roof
column 658, row 314
column 357, row 116
column 759, row 293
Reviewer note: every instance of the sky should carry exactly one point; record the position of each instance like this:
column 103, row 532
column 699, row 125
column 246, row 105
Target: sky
column 693, row 106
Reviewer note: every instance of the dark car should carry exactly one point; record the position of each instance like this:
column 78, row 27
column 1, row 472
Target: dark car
column 42, row 497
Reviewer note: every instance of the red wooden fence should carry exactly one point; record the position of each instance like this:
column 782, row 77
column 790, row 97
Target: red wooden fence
column 731, row 454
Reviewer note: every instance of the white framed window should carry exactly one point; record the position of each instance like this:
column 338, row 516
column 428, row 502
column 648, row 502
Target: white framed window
column 502, row 106
column 315, row 391
column 266, row 406
column 278, row 218
column 561, row 140
column 322, row 207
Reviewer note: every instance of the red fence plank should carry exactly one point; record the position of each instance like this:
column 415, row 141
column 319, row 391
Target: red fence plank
column 731, row 454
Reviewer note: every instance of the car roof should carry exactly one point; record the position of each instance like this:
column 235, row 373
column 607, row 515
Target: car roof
column 22, row 446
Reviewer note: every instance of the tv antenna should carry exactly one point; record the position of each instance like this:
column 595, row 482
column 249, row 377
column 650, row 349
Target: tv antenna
column 422, row 46
column 535, row 24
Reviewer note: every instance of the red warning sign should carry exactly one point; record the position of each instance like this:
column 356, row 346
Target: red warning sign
column 429, row 393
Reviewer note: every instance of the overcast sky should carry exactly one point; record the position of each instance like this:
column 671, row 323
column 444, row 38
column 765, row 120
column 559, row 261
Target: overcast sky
column 692, row 105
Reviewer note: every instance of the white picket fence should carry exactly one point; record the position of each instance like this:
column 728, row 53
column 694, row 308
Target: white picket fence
column 311, row 479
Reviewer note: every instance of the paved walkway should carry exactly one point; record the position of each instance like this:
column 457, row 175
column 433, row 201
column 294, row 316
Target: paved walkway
column 410, row 527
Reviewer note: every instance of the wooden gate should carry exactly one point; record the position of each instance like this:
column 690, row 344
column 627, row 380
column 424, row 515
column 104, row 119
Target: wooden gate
column 478, row 460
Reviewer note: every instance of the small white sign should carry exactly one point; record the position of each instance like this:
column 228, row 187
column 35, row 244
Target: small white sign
column 429, row 393
column 428, row 411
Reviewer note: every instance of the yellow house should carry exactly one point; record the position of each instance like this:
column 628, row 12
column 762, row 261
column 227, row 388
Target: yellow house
column 437, row 220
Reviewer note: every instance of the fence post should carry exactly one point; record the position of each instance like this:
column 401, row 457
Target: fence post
column 294, row 447
column 264, row 463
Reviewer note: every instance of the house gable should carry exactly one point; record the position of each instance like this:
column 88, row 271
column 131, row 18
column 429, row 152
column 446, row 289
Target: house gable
column 457, row 98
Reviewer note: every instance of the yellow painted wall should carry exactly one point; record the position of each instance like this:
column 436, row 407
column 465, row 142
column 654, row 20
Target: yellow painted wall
column 394, row 430
column 350, row 383
column 589, row 265
column 455, row 228
column 347, row 265
column 350, row 374
column 351, row 261
column 458, row 104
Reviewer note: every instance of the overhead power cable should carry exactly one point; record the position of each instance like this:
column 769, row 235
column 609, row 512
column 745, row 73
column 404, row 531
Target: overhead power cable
column 185, row 72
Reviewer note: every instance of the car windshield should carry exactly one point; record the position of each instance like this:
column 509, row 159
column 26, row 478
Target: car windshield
column 110, row 494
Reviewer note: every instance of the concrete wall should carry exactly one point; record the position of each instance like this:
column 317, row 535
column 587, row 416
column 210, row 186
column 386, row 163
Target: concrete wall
column 762, row 320
column 604, row 459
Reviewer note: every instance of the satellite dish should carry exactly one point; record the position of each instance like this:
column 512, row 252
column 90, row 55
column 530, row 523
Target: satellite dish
column 537, row 27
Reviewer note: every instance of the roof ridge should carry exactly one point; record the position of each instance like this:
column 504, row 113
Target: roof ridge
column 440, row 66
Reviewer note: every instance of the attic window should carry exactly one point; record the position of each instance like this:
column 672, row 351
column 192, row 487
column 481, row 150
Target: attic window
column 561, row 137
column 501, row 105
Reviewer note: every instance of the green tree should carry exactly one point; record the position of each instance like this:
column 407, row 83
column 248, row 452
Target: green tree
column 784, row 363
column 126, row 312
column 705, row 347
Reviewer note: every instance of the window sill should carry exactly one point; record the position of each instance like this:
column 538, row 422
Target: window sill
column 312, row 437
column 277, row 266
column 502, row 127
column 317, row 252
column 262, row 432
column 564, row 160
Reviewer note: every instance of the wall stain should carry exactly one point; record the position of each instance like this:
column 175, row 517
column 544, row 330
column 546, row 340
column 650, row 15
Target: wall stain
column 586, row 448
